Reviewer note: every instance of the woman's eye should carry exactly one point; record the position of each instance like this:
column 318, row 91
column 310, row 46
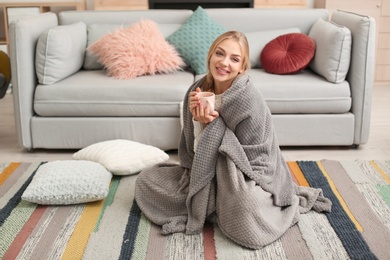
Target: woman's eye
column 219, row 53
column 236, row 60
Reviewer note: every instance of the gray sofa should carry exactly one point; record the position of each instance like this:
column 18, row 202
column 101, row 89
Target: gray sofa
column 88, row 106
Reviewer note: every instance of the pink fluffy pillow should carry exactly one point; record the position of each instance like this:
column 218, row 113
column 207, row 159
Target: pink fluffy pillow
column 136, row 50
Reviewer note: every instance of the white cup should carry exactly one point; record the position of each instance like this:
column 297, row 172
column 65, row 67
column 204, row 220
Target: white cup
column 207, row 99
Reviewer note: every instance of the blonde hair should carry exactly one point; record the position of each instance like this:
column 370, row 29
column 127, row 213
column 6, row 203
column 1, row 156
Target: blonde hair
column 241, row 39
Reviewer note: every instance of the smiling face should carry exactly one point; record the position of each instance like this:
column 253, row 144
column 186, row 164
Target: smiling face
column 225, row 63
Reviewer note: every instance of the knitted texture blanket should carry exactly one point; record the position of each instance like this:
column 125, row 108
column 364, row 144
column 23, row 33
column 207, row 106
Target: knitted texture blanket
column 237, row 176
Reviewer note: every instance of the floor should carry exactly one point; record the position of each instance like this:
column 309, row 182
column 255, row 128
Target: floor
column 378, row 146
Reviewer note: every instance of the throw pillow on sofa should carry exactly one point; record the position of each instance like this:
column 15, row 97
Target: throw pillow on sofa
column 122, row 157
column 288, row 53
column 258, row 40
column 60, row 52
column 139, row 49
column 333, row 50
column 68, row 182
column 194, row 39
column 96, row 31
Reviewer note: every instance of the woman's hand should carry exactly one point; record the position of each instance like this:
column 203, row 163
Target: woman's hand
column 200, row 113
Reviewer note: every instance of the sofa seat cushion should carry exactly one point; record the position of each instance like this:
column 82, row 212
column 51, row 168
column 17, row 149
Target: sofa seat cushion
column 305, row 92
column 93, row 94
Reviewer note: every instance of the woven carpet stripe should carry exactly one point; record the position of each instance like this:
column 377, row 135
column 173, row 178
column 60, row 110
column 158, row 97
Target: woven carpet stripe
column 132, row 225
column 21, row 181
column 355, row 173
column 46, row 244
column 375, row 233
column 305, row 226
column 381, row 172
column 310, row 237
column 157, row 243
column 369, row 170
column 294, row 179
column 12, row 178
column 367, row 182
column 109, row 199
column 294, row 245
column 375, row 199
column 112, row 224
column 22, row 237
column 351, row 238
column 66, row 231
column 372, row 196
column 324, row 242
column 36, row 234
column 3, row 165
column 296, row 171
column 84, row 227
column 340, row 198
column 384, row 165
column 208, row 242
column 384, row 191
column 14, row 201
column 181, row 244
column 131, row 231
column 225, row 248
column 7, row 172
column 141, row 242
column 14, row 222
column 316, row 230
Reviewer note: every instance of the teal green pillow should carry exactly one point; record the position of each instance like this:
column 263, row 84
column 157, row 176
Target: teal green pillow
column 194, row 39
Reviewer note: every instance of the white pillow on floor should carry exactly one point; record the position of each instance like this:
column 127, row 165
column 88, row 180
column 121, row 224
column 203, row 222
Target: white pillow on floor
column 122, row 157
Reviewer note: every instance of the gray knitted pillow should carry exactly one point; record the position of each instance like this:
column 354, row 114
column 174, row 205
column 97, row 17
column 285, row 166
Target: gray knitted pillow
column 68, row 182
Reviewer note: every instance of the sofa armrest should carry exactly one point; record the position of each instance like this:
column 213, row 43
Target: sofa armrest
column 23, row 37
column 361, row 71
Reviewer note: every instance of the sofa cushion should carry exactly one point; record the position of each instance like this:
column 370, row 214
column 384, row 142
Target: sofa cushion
column 305, row 92
column 288, row 53
column 148, row 96
column 257, row 41
column 194, row 39
column 333, row 50
column 96, row 31
column 60, row 52
column 138, row 50
column 122, row 157
column 68, row 182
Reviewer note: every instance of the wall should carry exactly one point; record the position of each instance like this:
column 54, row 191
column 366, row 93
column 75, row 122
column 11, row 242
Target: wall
column 90, row 5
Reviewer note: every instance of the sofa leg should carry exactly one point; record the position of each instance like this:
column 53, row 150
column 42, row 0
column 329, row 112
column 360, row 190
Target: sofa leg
column 355, row 146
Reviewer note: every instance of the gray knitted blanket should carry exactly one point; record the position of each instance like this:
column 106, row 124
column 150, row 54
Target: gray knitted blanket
column 237, row 177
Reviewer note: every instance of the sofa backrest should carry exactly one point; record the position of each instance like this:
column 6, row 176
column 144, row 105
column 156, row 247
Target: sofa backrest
column 250, row 20
column 124, row 17
column 241, row 19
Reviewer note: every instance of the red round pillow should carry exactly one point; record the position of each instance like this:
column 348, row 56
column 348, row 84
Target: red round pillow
column 288, row 53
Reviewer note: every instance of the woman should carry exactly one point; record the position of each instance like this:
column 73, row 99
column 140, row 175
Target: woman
column 231, row 169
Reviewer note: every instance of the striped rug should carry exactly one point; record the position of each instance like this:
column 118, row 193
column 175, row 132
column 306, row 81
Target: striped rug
column 357, row 228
